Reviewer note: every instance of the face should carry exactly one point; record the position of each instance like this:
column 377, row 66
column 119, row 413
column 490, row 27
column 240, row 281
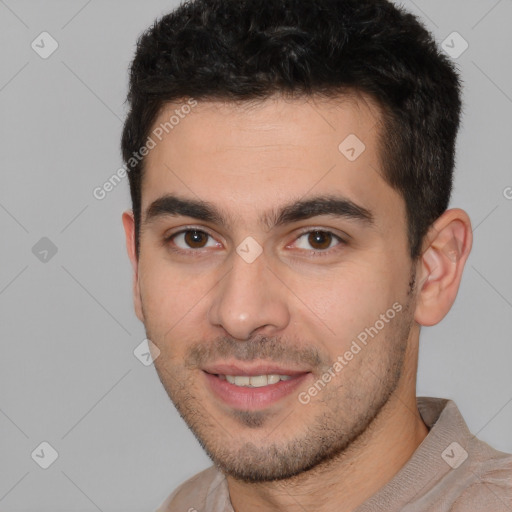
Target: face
column 271, row 246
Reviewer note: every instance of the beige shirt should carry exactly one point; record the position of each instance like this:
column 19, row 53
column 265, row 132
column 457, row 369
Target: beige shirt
column 451, row 470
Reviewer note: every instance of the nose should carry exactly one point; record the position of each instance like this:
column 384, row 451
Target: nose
column 249, row 300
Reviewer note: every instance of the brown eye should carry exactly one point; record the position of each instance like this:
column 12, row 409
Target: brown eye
column 320, row 240
column 191, row 240
column 195, row 239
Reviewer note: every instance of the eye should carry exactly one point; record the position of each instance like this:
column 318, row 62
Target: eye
column 318, row 240
column 191, row 239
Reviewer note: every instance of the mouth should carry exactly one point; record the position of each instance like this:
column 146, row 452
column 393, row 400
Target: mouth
column 254, row 381
column 253, row 388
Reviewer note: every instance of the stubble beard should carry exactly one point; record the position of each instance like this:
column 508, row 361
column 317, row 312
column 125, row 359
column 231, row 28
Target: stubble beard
column 345, row 411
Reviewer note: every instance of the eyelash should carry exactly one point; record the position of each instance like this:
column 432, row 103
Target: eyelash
column 197, row 252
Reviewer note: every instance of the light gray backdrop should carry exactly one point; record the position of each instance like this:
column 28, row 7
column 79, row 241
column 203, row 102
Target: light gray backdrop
column 68, row 374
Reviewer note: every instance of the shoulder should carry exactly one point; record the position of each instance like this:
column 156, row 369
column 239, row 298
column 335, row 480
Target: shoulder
column 491, row 486
column 207, row 486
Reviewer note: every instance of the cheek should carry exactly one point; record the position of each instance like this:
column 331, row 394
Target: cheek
column 174, row 302
column 165, row 295
column 347, row 301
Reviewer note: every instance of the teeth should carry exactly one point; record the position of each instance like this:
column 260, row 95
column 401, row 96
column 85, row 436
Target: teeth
column 255, row 381
column 272, row 379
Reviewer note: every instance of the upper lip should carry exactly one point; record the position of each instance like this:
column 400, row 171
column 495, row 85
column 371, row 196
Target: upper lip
column 251, row 370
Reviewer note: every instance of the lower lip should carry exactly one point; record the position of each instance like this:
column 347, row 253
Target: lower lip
column 252, row 399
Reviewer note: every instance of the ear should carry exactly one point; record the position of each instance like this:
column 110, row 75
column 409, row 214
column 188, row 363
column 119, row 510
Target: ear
column 447, row 247
column 129, row 230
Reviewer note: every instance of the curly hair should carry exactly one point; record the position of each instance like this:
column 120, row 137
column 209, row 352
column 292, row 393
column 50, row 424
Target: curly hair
column 242, row 50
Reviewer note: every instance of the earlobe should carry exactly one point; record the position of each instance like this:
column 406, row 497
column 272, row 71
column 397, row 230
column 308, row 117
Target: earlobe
column 129, row 230
column 441, row 266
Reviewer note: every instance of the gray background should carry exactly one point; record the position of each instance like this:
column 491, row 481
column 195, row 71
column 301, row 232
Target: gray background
column 68, row 375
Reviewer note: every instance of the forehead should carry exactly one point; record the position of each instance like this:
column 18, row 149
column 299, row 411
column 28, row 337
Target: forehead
column 250, row 155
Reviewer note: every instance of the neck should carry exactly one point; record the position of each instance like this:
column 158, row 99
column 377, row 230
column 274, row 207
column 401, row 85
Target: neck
column 350, row 479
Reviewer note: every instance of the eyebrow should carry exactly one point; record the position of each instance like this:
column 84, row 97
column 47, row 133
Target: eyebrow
column 336, row 206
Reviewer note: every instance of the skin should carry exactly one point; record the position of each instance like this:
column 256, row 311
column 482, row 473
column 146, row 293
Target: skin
column 299, row 303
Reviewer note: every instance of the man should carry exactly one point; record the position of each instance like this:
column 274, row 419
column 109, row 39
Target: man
column 290, row 166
